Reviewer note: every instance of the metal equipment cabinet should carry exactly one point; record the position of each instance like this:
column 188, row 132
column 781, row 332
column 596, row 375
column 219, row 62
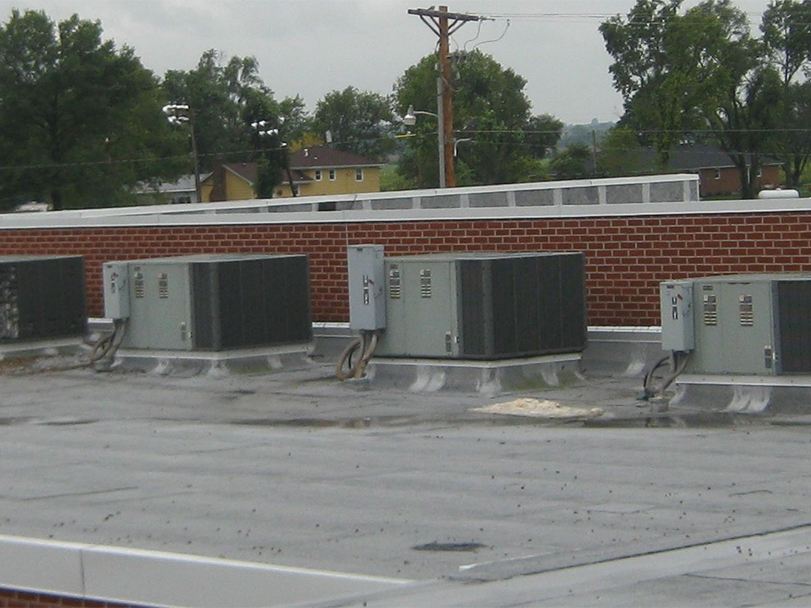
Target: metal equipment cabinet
column 217, row 302
column 752, row 324
column 42, row 297
column 484, row 305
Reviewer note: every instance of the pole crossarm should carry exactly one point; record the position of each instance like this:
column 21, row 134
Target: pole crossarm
column 443, row 24
column 431, row 18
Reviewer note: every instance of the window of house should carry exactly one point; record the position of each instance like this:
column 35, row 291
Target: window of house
column 760, row 172
column 358, row 175
column 318, row 175
column 718, row 174
column 332, row 175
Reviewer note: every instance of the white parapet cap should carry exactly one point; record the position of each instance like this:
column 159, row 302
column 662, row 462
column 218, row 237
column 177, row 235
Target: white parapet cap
column 634, row 196
column 153, row 578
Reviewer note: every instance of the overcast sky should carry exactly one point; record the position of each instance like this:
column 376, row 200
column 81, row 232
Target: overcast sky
column 312, row 47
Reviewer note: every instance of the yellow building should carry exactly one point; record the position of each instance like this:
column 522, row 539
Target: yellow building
column 229, row 182
column 319, row 171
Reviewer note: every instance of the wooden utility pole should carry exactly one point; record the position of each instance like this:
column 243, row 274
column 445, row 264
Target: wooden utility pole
column 443, row 24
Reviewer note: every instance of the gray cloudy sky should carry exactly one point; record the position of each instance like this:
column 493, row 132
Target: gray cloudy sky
column 312, row 47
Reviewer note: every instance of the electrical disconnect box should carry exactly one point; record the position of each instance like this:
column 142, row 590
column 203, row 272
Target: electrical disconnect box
column 210, row 302
column 367, row 304
column 750, row 324
column 115, row 276
column 484, row 305
column 42, row 297
column 678, row 332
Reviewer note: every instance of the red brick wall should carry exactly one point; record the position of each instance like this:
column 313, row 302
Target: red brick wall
column 626, row 257
column 729, row 181
column 22, row 599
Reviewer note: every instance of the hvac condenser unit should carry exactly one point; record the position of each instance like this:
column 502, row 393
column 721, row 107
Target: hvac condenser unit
column 42, row 297
column 748, row 324
column 484, row 305
column 210, row 302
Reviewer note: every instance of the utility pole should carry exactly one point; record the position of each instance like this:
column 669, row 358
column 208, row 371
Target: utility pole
column 443, row 24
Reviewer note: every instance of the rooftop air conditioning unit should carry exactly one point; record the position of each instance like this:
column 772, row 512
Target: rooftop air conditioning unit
column 42, row 297
column 210, row 302
column 740, row 324
column 484, row 305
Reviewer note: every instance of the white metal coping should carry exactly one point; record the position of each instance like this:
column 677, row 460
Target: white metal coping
column 152, row 578
column 600, row 198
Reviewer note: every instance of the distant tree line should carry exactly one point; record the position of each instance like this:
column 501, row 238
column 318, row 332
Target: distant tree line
column 83, row 125
column 700, row 76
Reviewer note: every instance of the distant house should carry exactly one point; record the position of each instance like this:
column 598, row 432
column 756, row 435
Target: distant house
column 181, row 190
column 319, row 170
column 718, row 175
column 229, row 182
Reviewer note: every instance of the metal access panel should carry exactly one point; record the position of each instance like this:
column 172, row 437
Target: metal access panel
column 218, row 302
column 735, row 326
column 160, row 306
column 678, row 331
column 422, row 317
column 367, row 302
column 42, row 297
column 484, row 305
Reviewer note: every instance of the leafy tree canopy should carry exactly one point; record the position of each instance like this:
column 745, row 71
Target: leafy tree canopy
column 80, row 118
column 495, row 132
column 702, row 75
column 357, row 121
column 227, row 97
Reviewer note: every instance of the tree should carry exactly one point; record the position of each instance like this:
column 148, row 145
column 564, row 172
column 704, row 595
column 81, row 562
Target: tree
column 359, row 122
column 80, row 119
column 786, row 28
column 621, row 153
column 698, row 72
column 572, row 163
column 794, row 145
column 496, row 134
column 227, row 97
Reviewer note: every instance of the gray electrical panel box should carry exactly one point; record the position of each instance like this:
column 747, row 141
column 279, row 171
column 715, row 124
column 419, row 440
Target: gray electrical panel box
column 115, row 276
column 213, row 302
column 751, row 324
column 42, row 297
column 678, row 332
column 367, row 304
column 484, row 305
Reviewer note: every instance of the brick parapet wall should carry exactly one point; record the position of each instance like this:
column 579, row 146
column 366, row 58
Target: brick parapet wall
column 24, row 599
column 626, row 256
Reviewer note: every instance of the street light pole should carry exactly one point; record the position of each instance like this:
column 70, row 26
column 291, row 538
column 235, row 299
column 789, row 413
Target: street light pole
column 182, row 113
column 442, row 138
column 411, row 118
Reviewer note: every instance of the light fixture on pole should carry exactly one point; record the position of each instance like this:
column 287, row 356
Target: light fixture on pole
column 178, row 114
column 410, row 119
column 263, row 129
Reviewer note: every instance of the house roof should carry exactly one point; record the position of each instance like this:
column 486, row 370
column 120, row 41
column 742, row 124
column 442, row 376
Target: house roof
column 183, row 184
column 322, row 157
column 693, row 157
column 246, row 171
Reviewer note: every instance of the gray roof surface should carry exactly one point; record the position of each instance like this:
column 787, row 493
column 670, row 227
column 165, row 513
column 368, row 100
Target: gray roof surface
column 296, row 469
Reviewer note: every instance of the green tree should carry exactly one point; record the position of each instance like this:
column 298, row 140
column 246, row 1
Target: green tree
column 227, row 97
column 572, row 163
column 495, row 131
column 81, row 119
column 358, row 121
column 621, row 153
column 696, row 72
column 786, row 28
